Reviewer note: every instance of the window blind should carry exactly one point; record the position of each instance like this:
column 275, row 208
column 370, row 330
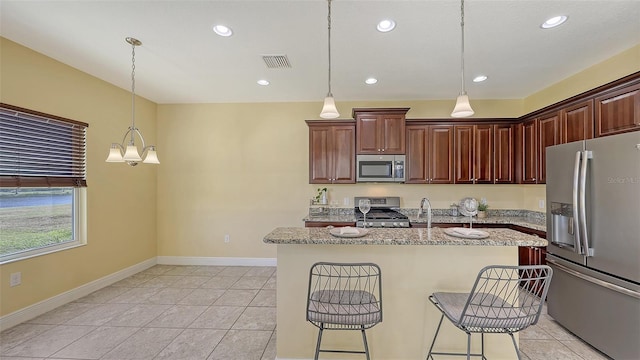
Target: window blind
column 41, row 150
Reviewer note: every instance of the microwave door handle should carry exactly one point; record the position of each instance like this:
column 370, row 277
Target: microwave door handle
column 575, row 219
column 583, row 204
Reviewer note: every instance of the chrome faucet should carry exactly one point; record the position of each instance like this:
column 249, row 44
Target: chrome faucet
column 421, row 210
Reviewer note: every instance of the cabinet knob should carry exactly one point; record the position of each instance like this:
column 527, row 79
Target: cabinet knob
column 496, row 179
column 382, row 150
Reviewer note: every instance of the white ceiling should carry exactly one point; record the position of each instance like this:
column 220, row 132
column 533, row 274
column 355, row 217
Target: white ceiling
column 183, row 61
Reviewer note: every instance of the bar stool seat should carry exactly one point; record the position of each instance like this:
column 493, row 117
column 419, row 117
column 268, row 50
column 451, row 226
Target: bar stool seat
column 344, row 296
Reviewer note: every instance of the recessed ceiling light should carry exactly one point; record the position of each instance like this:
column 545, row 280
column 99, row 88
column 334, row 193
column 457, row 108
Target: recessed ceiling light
column 386, row 25
column 371, row 81
column 554, row 21
column 222, row 30
column 480, row 78
column 263, row 82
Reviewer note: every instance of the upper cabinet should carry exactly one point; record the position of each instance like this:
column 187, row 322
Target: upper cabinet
column 380, row 131
column 429, row 154
column 473, row 154
column 527, row 151
column 548, row 135
column 576, row 122
column 503, row 153
column 332, row 152
column 618, row 111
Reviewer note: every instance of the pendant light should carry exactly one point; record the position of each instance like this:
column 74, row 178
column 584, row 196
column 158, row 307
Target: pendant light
column 129, row 153
column 329, row 110
column 463, row 107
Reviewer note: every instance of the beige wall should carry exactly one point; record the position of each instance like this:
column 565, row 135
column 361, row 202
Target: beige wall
column 121, row 201
column 237, row 169
column 242, row 169
column 616, row 67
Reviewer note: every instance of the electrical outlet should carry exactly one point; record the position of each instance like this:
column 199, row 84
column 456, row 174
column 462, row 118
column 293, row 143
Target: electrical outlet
column 345, row 201
column 227, row 238
column 15, row 279
column 541, row 204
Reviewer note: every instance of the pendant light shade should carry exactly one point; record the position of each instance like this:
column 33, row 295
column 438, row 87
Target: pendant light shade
column 129, row 153
column 463, row 107
column 329, row 109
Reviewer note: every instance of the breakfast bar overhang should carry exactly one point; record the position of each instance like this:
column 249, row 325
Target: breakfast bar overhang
column 414, row 263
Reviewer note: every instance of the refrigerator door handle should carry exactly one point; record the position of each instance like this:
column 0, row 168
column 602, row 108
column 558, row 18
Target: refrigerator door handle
column 587, row 251
column 595, row 281
column 575, row 225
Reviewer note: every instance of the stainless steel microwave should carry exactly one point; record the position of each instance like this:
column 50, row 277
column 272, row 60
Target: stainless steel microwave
column 380, row 168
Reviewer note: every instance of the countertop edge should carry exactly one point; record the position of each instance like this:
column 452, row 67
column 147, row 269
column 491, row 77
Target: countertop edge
column 406, row 236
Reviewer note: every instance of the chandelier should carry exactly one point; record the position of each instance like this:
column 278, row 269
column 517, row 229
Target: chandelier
column 129, row 153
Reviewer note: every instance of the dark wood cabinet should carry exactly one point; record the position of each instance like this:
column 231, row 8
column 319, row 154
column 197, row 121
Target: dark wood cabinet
column 331, row 152
column 576, row 122
column 548, row 135
column 380, row 131
column 534, row 135
column 473, row 154
column 528, row 151
column 328, row 223
column 429, row 154
column 503, row 154
column 618, row 111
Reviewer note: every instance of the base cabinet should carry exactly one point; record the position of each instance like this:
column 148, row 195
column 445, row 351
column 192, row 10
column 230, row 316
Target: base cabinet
column 328, row 223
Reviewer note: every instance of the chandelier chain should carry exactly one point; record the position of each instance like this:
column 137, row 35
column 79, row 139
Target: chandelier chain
column 133, row 88
column 329, row 43
column 462, row 45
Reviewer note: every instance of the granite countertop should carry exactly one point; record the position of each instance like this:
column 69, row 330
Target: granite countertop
column 397, row 236
column 528, row 219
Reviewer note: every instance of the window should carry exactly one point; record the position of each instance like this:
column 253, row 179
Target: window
column 42, row 183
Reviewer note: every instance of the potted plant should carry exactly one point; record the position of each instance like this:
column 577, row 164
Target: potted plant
column 482, row 208
column 321, row 196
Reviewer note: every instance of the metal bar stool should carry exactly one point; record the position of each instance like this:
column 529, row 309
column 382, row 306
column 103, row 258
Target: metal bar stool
column 344, row 297
column 504, row 299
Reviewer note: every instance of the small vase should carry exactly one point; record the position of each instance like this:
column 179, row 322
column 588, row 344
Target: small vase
column 323, row 198
column 482, row 214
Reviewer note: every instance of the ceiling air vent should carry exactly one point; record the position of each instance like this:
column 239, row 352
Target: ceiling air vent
column 276, row 61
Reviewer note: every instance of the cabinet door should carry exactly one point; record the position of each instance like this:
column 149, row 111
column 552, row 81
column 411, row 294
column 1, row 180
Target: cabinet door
column 483, row 154
column 463, row 154
column 529, row 152
column 441, row 154
column 368, row 135
column 618, row 111
column 548, row 135
column 320, row 146
column 503, row 154
column 577, row 122
column 416, row 167
column 392, row 134
column 343, row 155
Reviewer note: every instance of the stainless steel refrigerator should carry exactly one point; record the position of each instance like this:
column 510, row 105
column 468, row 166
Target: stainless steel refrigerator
column 593, row 229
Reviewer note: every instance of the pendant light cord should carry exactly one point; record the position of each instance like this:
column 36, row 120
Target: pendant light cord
column 462, row 45
column 329, row 44
column 133, row 89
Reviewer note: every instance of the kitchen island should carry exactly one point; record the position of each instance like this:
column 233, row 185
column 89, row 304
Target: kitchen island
column 414, row 263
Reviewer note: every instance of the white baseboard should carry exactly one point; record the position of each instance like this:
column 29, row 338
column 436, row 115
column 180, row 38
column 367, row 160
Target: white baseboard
column 51, row 303
column 220, row 261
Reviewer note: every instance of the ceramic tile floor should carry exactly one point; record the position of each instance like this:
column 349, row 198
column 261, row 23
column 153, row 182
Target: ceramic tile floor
column 198, row 312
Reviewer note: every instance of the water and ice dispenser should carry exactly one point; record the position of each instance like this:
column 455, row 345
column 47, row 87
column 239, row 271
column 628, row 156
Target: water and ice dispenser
column 562, row 224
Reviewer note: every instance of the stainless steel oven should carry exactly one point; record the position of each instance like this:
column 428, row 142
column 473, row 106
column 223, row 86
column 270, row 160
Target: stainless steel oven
column 380, row 168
